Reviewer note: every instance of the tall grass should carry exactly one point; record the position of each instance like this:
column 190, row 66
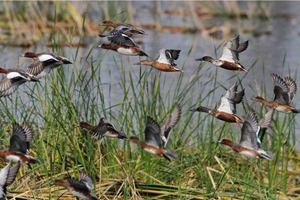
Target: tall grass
column 204, row 170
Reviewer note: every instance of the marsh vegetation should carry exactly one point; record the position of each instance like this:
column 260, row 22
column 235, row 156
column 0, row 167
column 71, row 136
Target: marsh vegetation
column 105, row 84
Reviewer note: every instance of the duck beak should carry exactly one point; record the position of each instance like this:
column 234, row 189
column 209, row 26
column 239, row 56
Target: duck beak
column 193, row 109
column 66, row 61
column 199, row 59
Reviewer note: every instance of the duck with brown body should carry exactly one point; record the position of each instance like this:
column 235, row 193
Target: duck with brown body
column 128, row 29
column 44, row 62
column 121, row 41
column 227, row 109
column 284, row 91
column 20, row 145
column 80, row 188
column 153, row 141
column 230, row 56
column 252, row 137
column 104, row 128
column 13, row 79
column 165, row 62
column 124, row 49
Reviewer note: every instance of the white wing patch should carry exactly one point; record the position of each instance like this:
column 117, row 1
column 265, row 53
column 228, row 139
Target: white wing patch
column 46, row 57
column 227, row 54
column 162, row 57
column 225, row 105
column 12, row 75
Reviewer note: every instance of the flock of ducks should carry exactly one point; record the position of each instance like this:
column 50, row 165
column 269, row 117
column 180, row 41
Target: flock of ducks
column 156, row 136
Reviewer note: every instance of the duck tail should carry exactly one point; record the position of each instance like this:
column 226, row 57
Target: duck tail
column 242, row 69
column 142, row 53
column 239, row 121
column 170, row 154
column 294, row 110
column 267, row 155
column 34, row 161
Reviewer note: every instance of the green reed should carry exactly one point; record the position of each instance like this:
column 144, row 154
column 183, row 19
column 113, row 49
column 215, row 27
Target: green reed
column 203, row 170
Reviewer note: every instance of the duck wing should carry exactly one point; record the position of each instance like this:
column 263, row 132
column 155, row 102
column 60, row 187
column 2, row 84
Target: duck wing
column 249, row 130
column 281, row 90
column 78, row 185
column 243, row 46
column 291, row 84
column 169, row 124
column 228, row 54
column 264, row 124
column 87, row 180
column 28, row 133
column 152, row 133
column 13, row 171
column 230, row 98
column 172, row 55
column 119, row 37
column 18, row 140
column 9, row 86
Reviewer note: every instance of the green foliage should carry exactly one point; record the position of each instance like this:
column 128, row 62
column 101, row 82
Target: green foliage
column 78, row 92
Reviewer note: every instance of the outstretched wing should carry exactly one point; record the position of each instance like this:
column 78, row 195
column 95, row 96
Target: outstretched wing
column 87, row 180
column 119, row 37
column 292, row 88
column 281, row 90
column 18, row 140
column 249, row 130
column 172, row 55
column 264, row 124
column 230, row 99
column 169, row 124
column 152, row 133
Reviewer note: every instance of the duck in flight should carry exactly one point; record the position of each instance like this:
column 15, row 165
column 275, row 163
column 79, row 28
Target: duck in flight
column 121, row 41
column 230, row 56
column 153, row 141
column 13, row 79
column 227, row 109
column 165, row 62
column 44, row 62
column 104, row 128
column 20, row 145
column 284, row 91
column 128, row 29
column 252, row 136
column 80, row 188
